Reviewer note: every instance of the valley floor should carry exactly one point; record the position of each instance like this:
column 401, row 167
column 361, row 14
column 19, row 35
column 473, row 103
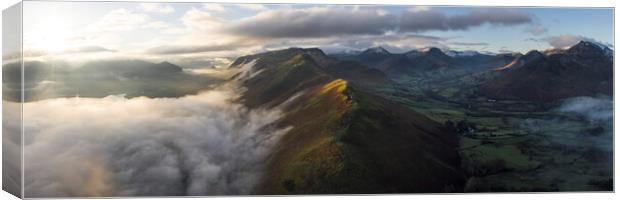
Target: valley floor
column 508, row 146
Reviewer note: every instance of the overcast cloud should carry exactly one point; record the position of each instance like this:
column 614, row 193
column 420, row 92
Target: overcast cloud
column 429, row 20
column 179, row 49
column 313, row 22
column 324, row 22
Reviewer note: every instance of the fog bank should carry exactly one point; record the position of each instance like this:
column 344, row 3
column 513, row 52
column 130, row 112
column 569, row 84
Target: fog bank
column 587, row 123
column 194, row 145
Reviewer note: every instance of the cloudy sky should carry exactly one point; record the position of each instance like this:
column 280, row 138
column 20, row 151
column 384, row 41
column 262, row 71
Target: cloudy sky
column 198, row 34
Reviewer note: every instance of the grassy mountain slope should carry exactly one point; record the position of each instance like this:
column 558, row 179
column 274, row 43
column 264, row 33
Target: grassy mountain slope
column 344, row 139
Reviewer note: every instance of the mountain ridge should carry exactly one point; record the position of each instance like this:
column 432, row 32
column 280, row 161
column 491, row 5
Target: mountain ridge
column 418, row 61
column 344, row 138
column 581, row 70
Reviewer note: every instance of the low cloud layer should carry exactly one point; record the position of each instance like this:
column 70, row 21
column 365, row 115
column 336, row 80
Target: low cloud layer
column 589, row 125
column 599, row 112
column 68, row 51
column 470, row 43
column 192, row 49
column 594, row 109
column 114, row 146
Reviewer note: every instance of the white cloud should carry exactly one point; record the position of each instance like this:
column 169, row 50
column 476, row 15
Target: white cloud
column 156, row 25
column 119, row 20
column 201, row 20
column 419, row 8
column 214, row 7
column 218, row 8
column 565, row 40
column 194, row 145
column 254, row 7
column 536, row 29
column 156, row 8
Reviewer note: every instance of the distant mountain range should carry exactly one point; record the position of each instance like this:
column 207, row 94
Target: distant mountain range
column 585, row 69
column 416, row 61
column 133, row 78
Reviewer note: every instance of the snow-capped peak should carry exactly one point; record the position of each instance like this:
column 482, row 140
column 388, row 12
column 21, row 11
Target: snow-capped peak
column 377, row 50
column 588, row 44
column 348, row 52
column 606, row 50
column 453, row 53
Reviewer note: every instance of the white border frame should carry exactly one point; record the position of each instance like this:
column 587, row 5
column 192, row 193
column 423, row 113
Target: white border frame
column 466, row 196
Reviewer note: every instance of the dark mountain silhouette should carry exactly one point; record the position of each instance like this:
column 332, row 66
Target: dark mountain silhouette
column 431, row 58
column 129, row 68
column 417, row 61
column 370, row 57
column 44, row 80
column 480, row 61
column 521, row 60
column 345, row 139
column 584, row 69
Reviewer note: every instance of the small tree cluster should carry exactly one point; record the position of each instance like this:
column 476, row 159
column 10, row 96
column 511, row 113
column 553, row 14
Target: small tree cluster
column 462, row 126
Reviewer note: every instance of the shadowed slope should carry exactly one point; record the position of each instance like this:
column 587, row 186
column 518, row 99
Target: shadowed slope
column 345, row 140
column 582, row 70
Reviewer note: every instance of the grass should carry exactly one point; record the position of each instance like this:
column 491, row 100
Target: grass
column 347, row 141
column 503, row 155
column 512, row 156
column 310, row 153
column 338, row 85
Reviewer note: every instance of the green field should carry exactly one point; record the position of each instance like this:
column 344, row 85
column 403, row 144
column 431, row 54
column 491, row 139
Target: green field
column 511, row 145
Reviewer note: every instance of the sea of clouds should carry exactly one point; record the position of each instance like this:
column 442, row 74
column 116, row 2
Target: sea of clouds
column 201, row 144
